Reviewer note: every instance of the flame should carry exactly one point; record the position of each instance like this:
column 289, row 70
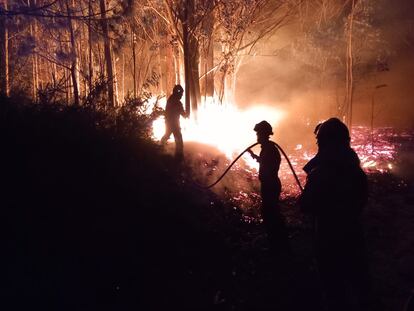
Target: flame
column 223, row 126
column 230, row 129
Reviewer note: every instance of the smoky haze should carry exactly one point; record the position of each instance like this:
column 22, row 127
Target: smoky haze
column 284, row 80
column 284, row 85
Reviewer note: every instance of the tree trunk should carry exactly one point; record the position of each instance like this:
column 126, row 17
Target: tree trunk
column 350, row 69
column 210, row 72
column 54, row 75
column 195, row 74
column 114, row 75
column 35, row 77
column 222, row 83
column 191, row 58
column 162, row 82
column 186, row 61
column 207, row 60
column 74, row 65
column 90, row 58
column 4, row 53
column 178, row 66
column 123, row 77
column 108, row 55
column 134, row 63
column 67, row 86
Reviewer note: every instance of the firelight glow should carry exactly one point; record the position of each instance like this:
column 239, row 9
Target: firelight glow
column 230, row 130
column 223, row 126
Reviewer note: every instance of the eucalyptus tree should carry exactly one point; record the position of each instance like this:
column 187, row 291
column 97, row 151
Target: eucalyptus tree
column 211, row 35
column 4, row 51
column 242, row 24
column 186, row 20
column 341, row 41
column 64, row 39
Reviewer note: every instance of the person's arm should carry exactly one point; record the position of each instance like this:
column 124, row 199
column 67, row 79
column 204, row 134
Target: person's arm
column 184, row 113
column 253, row 155
column 314, row 192
column 312, row 164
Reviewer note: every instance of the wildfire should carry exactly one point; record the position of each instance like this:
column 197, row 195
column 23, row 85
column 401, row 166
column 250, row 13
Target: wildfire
column 229, row 129
column 223, row 126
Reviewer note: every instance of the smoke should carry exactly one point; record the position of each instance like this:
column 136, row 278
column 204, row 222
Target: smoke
column 286, row 79
column 289, row 87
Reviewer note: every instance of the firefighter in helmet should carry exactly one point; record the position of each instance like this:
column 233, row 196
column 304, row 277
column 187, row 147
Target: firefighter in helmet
column 270, row 188
column 335, row 194
column 173, row 110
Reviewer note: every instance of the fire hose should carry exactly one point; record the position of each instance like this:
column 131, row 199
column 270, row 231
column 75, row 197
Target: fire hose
column 245, row 150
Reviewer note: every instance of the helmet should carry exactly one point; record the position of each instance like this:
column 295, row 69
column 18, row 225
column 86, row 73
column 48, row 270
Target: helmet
column 264, row 128
column 178, row 89
column 332, row 132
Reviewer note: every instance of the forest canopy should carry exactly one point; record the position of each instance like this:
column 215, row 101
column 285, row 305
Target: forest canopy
column 104, row 53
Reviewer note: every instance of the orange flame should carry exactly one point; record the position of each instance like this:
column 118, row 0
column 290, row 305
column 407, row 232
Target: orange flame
column 230, row 130
column 223, row 126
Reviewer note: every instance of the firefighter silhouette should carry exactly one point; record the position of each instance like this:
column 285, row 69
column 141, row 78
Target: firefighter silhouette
column 173, row 110
column 335, row 194
column 270, row 188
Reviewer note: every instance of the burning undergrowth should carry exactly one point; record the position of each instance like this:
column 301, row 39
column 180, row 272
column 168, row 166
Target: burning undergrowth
column 381, row 151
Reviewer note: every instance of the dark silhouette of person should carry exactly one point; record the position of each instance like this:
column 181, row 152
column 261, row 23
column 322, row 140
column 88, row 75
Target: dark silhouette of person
column 173, row 110
column 335, row 194
column 270, row 188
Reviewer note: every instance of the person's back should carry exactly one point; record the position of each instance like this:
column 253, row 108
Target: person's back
column 269, row 162
column 336, row 187
column 173, row 110
column 335, row 194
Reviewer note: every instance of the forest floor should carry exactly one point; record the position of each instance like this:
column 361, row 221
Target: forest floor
column 96, row 220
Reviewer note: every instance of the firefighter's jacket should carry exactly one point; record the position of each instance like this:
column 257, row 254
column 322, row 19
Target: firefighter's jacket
column 335, row 191
column 269, row 160
column 173, row 110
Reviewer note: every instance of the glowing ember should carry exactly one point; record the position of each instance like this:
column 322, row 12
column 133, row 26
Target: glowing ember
column 375, row 150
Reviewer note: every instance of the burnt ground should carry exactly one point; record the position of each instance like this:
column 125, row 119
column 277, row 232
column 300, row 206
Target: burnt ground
column 99, row 219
